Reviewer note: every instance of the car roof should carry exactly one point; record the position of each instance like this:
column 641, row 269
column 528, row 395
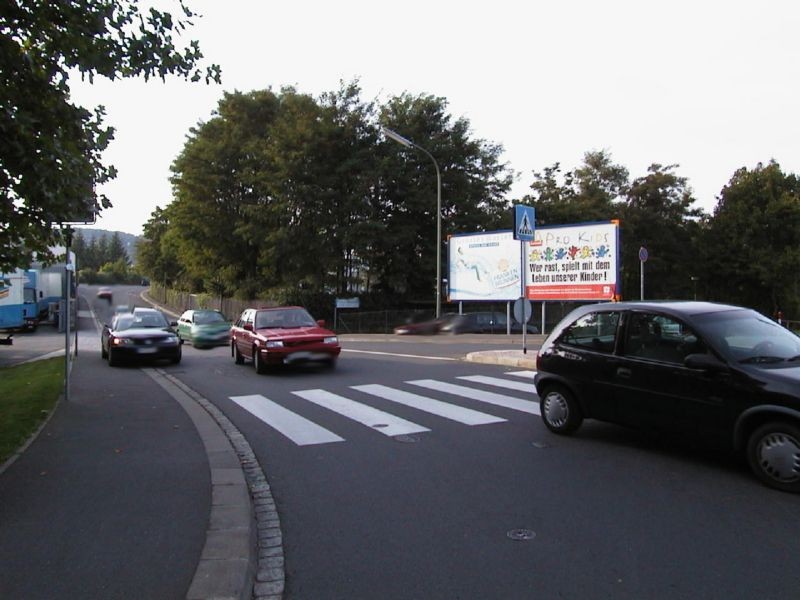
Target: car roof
column 676, row 307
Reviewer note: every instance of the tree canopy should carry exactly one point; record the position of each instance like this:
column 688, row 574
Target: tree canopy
column 50, row 158
column 283, row 191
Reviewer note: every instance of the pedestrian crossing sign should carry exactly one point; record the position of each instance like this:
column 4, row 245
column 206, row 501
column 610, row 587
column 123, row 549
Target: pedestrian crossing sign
column 524, row 222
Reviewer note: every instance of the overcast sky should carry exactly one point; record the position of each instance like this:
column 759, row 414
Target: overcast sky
column 709, row 85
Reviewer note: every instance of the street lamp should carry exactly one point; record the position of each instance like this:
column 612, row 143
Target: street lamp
column 409, row 144
column 694, row 282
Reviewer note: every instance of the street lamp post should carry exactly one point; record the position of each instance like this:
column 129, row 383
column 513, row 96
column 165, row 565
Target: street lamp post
column 694, row 282
column 409, row 144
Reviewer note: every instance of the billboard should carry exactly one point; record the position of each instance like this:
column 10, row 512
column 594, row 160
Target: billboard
column 574, row 262
column 483, row 266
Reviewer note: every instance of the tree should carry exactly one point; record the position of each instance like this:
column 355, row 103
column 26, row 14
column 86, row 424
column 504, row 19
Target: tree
column 591, row 192
column 50, row 158
column 658, row 214
column 752, row 244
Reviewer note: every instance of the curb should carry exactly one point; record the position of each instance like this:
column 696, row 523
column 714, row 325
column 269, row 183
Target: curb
column 243, row 512
column 511, row 358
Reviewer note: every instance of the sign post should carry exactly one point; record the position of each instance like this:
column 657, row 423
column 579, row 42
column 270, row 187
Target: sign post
column 524, row 230
column 642, row 259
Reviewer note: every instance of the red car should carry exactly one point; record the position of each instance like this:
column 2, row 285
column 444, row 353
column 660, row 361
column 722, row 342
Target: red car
column 282, row 336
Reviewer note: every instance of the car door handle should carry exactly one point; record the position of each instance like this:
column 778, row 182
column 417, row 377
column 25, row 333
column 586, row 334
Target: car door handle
column 624, row 372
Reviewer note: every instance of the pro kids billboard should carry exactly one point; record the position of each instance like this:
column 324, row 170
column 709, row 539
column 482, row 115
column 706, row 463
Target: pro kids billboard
column 573, row 262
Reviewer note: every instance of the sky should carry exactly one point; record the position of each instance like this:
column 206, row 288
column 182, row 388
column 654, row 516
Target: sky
column 711, row 86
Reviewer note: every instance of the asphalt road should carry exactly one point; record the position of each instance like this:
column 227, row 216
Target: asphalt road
column 500, row 508
column 431, row 514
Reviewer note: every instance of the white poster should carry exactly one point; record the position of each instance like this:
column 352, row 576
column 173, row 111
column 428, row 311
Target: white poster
column 484, row 266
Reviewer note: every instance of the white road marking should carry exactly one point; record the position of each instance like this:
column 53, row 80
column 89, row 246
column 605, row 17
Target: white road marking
column 463, row 415
column 525, row 406
column 366, row 415
column 397, row 354
column 298, row 429
column 502, row 383
column 523, row 374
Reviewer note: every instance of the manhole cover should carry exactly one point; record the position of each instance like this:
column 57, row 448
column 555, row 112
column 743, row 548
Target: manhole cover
column 405, row 439
column 521, row 534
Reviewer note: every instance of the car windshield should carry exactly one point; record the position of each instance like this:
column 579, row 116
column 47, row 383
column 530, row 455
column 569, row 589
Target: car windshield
column 284, row 319
column 146, row 320
column 208, row 318
column 750, row 338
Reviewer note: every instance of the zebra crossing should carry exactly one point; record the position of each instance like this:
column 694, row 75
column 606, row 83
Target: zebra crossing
column 305, row 432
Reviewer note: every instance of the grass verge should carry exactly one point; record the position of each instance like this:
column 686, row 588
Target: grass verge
column 29, row 393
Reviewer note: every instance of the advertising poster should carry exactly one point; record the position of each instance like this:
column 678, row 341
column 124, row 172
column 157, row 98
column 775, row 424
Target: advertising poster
column 484, row 266
column 574, row 262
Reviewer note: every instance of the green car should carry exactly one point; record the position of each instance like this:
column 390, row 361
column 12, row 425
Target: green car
column 204, row 328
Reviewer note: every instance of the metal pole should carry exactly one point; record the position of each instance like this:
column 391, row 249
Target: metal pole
column 641, row 280
column 67, row 311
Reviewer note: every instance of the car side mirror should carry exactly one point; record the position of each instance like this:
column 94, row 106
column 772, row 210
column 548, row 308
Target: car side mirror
column 321, row 322
column 173, row 323
column 705, row 362
column 247, row 327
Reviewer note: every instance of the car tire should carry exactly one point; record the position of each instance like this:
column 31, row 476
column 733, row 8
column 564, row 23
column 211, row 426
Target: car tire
column 112, row 360
column 103, row 353
column 258, row 362
column 560, row 411
column 237, row 356
column 773, row 453
column 177, row 359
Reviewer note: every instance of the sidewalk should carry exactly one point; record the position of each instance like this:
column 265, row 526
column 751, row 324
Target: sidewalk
column 125, row 495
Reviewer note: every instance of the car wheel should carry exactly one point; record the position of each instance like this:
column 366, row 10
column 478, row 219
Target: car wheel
column 560, row 411
column 773, row 452
column 112, row 360
column 237, row 356
column 103, row 353
column 258, row 362
column 176, row 359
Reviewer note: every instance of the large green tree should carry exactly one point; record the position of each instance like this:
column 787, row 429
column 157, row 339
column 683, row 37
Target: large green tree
column 752, row 245
column 50, row 155
column 280, row 192
column 659, row 215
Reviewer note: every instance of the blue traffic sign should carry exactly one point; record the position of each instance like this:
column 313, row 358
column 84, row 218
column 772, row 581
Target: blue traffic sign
column 524, row 222
column 643, row 255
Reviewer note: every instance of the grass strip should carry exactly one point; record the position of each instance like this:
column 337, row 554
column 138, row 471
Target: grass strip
column 28, row 394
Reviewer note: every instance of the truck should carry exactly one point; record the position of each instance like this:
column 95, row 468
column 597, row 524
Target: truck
column 18, row 305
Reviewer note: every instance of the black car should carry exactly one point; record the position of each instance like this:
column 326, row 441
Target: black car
column 716, row 371
column 142, row 334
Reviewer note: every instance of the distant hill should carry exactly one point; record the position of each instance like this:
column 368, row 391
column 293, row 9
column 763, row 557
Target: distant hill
column 128, row 239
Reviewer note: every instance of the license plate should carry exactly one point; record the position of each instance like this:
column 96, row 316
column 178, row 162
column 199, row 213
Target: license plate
column 147, row 350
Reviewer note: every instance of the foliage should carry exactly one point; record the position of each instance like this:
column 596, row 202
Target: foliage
column 287, row 191
column 50, row 158
column 752, row 243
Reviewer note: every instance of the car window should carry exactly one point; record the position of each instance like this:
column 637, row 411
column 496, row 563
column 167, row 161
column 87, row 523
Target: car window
column 595, row 331
column 750, row 338
column 660, row 337
column 207, row 318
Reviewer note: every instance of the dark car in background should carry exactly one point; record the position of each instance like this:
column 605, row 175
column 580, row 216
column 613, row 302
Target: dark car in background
column 204, row 328
column 722, row 373
column 144, row 334
column 282, row 336
column 474, row 322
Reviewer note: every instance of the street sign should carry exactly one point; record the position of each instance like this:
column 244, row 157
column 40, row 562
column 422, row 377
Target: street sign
column 524, row 222
column 643, row 255
column 348, row 303
column 522, row 310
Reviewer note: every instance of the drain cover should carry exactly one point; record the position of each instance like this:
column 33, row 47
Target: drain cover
column 521, row 534
column 405, row 439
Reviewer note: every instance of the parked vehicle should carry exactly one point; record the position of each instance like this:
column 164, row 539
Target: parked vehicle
column 18, row 309
column 144, row 334
column 723, row 373
column 475, row 322
column 282, row 336
column 204, row 328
